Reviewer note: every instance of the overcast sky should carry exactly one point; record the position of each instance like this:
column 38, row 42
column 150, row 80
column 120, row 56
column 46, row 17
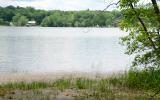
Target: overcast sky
column 60, row 4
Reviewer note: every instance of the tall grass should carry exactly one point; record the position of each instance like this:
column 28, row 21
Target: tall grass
column 144, row 79
column 147, row 80
column 62, row 84
column 121, row 86
column 26, row 86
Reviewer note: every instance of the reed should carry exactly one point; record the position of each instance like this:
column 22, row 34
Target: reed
column 134, row 85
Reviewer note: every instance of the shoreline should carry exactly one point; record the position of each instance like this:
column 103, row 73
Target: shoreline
column 74, row 86
column 55, row 27
column 47, row 77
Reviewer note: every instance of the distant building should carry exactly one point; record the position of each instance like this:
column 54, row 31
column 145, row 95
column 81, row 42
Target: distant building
column 31, row 23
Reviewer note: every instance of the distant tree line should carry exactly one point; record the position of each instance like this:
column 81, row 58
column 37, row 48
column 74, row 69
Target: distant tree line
column 19, row 16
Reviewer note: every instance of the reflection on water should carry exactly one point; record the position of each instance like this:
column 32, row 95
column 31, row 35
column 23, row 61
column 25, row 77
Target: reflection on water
column 37, row 49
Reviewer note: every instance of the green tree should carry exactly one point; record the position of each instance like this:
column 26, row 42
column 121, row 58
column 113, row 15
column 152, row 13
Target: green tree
column 58, row 18
column 46, row 22
column 19, row 20
column 2, row 22
column 142, row 21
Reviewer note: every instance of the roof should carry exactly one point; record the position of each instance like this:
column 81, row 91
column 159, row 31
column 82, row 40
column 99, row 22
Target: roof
column 31, row 22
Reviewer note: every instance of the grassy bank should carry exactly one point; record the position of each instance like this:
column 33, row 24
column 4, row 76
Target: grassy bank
column 133, row 85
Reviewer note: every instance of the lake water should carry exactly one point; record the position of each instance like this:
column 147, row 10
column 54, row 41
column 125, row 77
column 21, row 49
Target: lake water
column 38, row 49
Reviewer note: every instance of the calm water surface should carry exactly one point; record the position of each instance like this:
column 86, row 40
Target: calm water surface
column 37, row 49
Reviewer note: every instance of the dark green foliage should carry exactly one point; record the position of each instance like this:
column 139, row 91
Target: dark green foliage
column 19, row 20
column 7, row 13
column 143, row 25
column 81, row 19
column 144, row 79
column 57, row 18
column 2, row 22
column 142, row 22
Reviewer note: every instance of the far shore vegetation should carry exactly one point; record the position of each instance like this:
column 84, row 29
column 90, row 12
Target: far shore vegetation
column 19, row 16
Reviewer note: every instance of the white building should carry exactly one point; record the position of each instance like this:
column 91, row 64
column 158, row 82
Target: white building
column 31, row 23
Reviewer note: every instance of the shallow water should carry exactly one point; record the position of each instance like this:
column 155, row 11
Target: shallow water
column 37, row 49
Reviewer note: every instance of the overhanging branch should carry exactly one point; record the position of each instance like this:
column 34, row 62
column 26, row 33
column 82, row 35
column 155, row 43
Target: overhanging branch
column 111, row 5
column 144, row 27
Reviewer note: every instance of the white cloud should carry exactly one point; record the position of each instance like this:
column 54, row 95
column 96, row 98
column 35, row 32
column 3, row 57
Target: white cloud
column 59, row 4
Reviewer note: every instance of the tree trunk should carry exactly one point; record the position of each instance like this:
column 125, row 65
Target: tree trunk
column 157, row 11
column 144, row 27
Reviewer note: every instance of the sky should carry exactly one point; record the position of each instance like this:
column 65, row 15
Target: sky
column 60, row 4
column 63, row 4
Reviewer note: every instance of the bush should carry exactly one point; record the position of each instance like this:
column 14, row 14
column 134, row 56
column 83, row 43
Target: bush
column 144, row 79
column 2, row 22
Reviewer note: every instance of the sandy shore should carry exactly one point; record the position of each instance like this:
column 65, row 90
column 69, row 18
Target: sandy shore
column 46, row 77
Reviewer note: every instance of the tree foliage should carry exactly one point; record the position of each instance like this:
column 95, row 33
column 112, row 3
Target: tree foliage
column 2, row 22
column 82, row 19
column 19, row 20
column 56, row 18
column 142, row 22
